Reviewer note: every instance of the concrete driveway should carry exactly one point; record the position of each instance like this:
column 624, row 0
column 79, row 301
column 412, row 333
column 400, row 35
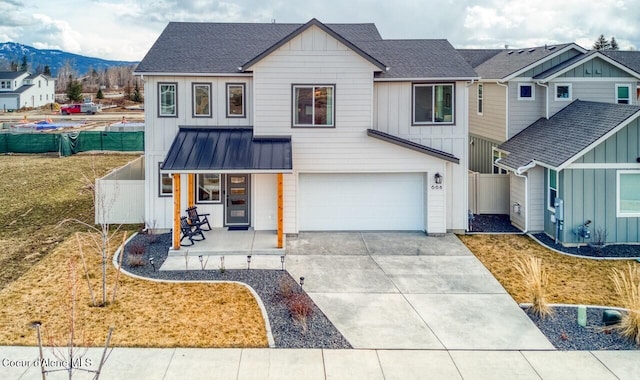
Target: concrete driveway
column 406, row 290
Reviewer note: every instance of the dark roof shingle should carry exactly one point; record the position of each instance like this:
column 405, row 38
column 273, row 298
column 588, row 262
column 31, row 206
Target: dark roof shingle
column 509, row 61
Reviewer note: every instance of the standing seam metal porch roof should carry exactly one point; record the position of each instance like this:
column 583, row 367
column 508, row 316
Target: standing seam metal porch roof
column 228, row 149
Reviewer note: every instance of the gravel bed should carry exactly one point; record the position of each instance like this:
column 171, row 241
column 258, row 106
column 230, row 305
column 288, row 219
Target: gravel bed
column 612, row 250
column 287, row 333
column 492, row 223
column 564, row 333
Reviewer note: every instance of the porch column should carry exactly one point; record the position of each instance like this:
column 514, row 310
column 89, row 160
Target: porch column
column 176, row 211
column 280, row 210
column 191, row 180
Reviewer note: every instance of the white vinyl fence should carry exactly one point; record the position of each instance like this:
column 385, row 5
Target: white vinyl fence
column 120, row 195
column 488, row 193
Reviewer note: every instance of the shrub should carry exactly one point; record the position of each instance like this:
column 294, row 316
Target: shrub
column 137, row 249
column 627, row 286
column 286, row 287
column 536, row 281
column 135, row 260
column 300, row 307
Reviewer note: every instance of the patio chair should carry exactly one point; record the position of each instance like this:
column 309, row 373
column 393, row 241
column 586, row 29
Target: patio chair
column 198, row 219
column 189, row 231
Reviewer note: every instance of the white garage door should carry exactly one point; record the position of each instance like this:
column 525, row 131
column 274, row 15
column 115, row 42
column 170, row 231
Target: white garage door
column 8, row 103
column 359, row 201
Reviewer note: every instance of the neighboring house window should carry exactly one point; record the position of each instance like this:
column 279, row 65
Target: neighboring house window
column 201, row 93
column 623, row 94
column 168, row 106
column 313, row 106
column 552, row 192
column 480, row 98
column 208, row 188
column 497, row 155
column 39, row 84
column 628, row 193
column 166, row 183
column 563, row 91
column 526, row 91
column 235, row 100
column 432, row 103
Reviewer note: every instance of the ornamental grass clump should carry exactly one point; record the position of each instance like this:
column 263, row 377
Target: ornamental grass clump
column 627, row 287
column 536, row 281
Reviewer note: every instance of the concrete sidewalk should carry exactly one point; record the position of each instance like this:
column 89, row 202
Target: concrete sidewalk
column 283, row 364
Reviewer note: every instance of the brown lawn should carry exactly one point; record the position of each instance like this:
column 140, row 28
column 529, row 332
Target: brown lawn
column 571, row 280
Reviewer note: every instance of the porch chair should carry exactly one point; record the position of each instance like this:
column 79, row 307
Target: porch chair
column 189, row 231
column 198, row 219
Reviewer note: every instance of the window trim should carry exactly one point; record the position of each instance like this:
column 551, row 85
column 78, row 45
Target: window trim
column 533, row 91
column 628, row 86
column 228, row 86
column 193, row 99
column 569, row 89
column 175, row 89
column 162, row 194
column 495, row 155
column 433, row 122
column 620, row 214
column 480, row 99
column 197, row 189
column 293, row 105
column 549, row 188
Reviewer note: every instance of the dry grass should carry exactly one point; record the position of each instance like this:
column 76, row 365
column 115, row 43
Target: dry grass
column 536, row 282
column 145, row 314
column 627, row 285
column 36, row 193
column 571, row 280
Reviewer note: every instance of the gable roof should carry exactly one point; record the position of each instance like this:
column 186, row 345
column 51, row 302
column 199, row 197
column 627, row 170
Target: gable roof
column 582, row 124
column 581, row 59
column 630, row 59
column 510, row 62
column 12, row 74
column 220, row 48
column 326, row 29
column 424, row 59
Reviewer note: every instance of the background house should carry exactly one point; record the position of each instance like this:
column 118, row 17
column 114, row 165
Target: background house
column 344, row 130
column 22, row 89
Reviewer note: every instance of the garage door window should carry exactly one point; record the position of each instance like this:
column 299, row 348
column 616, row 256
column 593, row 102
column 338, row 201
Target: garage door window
column 313, row 105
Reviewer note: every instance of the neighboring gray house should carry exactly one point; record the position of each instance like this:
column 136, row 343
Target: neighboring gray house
column 22, row 89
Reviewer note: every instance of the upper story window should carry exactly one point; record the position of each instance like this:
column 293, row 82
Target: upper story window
column 628, row 196
column 480, row 97
column 552, row 189
column 433, row 104
column 623, row 94
column 563, row 91
column 235, row 100
column 208, row 188
column 168, row 99
column 313, row 105
column 526, row 91
column 201, row 94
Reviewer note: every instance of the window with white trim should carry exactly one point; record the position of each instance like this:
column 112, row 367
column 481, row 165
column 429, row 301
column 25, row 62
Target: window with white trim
column 628, row 193
column 168, row 101
column 208, row 188
column 313, row 105
column 623, row 94
column 433, row 104
column 480, row 97
column 165, row 181
column 552, row 188
column 563, row 91
column 235, row 100
column 496, row 156
column 526, row 91
column 201, row 93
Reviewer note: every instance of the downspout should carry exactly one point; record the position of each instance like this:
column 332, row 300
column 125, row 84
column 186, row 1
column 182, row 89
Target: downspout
column 506, row 109
column 546, row 98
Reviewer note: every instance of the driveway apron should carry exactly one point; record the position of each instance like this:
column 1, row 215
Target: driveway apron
column 406, row 290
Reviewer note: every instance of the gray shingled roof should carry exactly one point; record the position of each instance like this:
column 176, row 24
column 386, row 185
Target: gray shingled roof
column 509, row 61
column 187, row 47
column 419, row 59
column 631, row 59
column 560, row 138
column 475, row 57
column 557, row 68
column 10, row 74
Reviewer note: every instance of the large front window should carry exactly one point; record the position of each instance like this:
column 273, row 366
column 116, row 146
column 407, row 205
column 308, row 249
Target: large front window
column 168, row 101
column 313, row 106
column 208, row 188
column 628, row 194
column 432, row 104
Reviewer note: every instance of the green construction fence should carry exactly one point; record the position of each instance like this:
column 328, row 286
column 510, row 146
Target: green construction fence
column 70, row 143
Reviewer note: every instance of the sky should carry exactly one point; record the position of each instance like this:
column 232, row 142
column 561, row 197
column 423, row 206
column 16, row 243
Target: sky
column 126, row 29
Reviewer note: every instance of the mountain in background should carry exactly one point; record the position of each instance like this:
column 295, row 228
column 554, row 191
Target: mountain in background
column 38, row 58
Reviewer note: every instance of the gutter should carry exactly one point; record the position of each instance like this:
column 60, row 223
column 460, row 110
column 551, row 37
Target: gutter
column 506, row 109
column 546, row 98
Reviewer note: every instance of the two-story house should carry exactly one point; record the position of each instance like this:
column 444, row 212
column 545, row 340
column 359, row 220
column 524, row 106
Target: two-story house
column 20, row 89
column 563, row 123
column 305, row 127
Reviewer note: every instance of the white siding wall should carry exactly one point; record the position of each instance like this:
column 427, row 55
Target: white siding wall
column 265, row 201
column 536, row 199
column 517, row 195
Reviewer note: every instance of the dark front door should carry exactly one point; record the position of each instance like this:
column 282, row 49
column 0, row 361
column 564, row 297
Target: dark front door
column 237, row 200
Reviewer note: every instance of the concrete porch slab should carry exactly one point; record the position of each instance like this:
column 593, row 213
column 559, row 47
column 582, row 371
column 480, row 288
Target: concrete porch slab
column 221, row 241
column 383, row 321
column 212, row 262
column 478, row 322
